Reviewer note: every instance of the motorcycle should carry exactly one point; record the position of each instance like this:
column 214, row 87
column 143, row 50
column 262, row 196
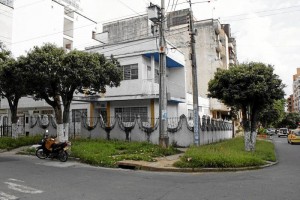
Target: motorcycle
column 56, row 150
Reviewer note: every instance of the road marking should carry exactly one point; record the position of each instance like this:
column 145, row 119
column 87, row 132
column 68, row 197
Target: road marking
column 4, row 196
column 22, row 188
column 12, row 179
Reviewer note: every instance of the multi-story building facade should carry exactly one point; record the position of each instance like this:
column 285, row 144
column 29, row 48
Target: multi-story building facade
column 61, row 22
column 134, row 45
column 128, row 37
column 296, row 91
column 6, row 19
column 134, row 42
column 290, row 104
column 215, row 49
column 55, row 21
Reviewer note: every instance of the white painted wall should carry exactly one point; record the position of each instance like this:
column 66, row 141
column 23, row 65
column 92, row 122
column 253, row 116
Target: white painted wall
column 83, row 28
column 46, row 25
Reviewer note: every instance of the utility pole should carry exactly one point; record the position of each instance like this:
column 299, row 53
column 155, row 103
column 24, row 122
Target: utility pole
column 157, row 15
column 163, row 117
column 194, row 77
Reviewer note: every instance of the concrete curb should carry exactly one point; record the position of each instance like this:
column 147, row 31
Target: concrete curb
column 136, row 166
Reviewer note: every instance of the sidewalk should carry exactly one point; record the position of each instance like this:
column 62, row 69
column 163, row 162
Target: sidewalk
column 163, row 164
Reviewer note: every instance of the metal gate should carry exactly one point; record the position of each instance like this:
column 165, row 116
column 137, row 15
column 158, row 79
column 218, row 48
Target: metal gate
column 5, row 131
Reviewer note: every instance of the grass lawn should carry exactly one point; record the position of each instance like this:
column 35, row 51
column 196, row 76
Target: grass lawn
column 107, row 153
column 226, row 154
column 9, row 143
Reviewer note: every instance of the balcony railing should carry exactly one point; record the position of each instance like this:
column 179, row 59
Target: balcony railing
column 134, row 87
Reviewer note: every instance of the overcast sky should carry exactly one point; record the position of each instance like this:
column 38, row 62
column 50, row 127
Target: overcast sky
column 265, row 30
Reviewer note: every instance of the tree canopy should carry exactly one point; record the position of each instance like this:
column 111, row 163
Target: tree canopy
column 13, row 83
column 56, row 75
column 290, row 120
column 272, row 114
column 248, row 87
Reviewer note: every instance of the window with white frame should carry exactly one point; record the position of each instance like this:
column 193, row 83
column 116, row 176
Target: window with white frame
column 128, row 114
column 130, row 72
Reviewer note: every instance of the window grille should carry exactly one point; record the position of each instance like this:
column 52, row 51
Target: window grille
column 128, row 114
column 130, row 72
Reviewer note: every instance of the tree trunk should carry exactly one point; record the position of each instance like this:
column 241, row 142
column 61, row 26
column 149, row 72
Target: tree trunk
column 13, row 105
column 66, row 116
column 249, row 123
column 14, row 130
column 59, row 118
column 250, row 140
column 60, row 132
column 66, row 129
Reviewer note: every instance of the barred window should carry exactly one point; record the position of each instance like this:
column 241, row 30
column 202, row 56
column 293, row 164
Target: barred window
column 179, row 20
column 130, row 72
column 128, row 114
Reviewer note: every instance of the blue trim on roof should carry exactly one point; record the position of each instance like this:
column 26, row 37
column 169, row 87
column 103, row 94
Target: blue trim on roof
column 170, row 62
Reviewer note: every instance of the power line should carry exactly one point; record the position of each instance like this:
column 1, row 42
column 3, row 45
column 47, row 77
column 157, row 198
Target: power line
column 142, row 42
column 129, row 7
column 263, row 11
column 246, row 18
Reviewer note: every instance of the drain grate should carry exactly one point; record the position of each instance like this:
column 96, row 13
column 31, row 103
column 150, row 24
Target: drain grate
column 126, row 166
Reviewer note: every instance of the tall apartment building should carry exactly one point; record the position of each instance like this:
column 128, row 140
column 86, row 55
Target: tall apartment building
column 56, row 21
column 32, row 23
column 215, row 49
column 290, row 103
column 6, row 19
column 296, row 91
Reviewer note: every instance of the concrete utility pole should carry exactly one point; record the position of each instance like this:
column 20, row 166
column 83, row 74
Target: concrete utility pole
column 194, row 77
column 163, row 117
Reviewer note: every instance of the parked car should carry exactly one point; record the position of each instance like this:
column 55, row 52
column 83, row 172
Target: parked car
column 294, row 136
column 271, row 131
column 283, row 132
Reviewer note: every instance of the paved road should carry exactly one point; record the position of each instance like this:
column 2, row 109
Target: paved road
column 27, row 177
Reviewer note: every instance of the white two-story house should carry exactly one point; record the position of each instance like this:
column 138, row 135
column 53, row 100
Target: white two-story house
column 138, row 94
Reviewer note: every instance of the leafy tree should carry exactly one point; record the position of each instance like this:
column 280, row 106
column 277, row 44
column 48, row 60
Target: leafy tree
column 12, row 84
column 249, row 87
column 272, row 114
column 56, row 75
column 291, row 120
column 87, row 73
